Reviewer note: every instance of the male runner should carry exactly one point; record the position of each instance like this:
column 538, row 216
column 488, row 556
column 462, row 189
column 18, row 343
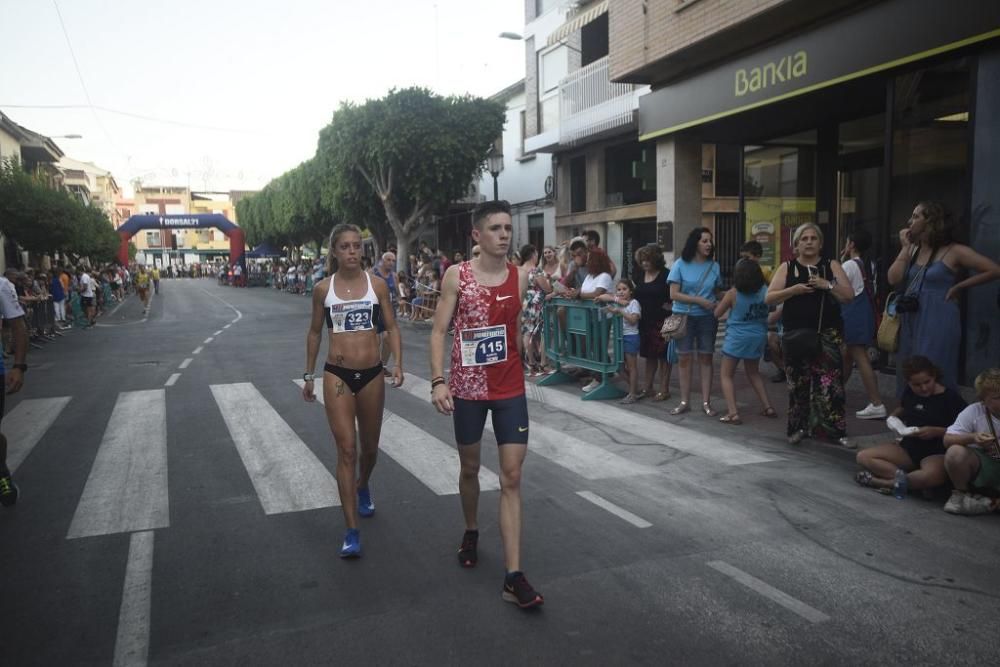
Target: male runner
column 484, row 295
column 11, row 311
column 87, row 296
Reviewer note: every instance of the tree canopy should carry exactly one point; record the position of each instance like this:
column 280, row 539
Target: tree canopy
column 44, row 220
column 387, row 165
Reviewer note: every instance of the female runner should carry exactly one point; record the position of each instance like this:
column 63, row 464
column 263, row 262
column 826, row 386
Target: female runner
column 354, row 304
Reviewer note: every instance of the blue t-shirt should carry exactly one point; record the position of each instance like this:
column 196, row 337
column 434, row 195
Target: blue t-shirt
column 56, row 289
column 746, row 328
column 688, row 275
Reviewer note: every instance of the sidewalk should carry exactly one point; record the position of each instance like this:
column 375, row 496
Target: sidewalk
column 863, row 433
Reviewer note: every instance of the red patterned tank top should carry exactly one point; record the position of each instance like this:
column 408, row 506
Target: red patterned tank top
column 485, row 363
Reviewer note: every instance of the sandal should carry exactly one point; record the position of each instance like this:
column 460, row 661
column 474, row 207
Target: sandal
column 769, row 412
column 706, row 407
column 628, row 400
column 681, row 408
column 661, row 396
column 641, row 394
column 863, row 477
column 733, row 419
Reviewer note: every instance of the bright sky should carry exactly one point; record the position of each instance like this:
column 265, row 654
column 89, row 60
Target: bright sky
column 244, row 87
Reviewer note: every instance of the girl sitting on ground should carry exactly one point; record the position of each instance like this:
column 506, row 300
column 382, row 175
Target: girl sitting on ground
column 930, row 407
column 746, row 336
column 624, row 303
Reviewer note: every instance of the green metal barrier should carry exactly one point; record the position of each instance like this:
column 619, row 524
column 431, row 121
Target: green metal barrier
column 581, row 333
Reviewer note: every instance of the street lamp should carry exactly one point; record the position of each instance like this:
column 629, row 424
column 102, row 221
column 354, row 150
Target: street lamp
column 517, row 37
column 494, row 164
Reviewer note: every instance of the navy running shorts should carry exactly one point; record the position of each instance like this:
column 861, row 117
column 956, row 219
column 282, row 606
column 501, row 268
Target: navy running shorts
column 510, row 420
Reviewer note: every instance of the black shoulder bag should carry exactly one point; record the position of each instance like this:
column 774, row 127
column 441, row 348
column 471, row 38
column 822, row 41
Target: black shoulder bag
column 803, row 345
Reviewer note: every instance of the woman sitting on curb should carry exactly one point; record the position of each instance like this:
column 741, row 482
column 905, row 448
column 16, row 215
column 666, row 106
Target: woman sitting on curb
column 929, row 407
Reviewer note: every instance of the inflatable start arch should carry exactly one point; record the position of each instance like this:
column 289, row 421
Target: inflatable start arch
column 138, row 223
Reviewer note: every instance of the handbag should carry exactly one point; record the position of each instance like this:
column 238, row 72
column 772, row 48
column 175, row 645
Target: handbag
column 887, row 338
column 675, row 326
column 804, row 345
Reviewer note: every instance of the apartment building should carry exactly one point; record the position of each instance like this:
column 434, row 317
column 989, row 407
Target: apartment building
column 93, row 186
column 605, row 178
column 842, row 112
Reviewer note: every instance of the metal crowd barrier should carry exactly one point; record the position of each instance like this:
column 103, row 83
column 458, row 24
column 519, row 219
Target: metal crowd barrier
column 583, row 334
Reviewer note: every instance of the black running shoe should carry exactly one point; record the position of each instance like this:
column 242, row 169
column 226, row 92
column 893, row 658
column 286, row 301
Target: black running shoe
column 516, row 589
column 8, row 491
column 467, row 554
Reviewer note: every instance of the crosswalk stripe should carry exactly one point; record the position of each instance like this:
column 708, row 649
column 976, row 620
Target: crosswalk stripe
column 284, row 471
column 654, row 430
column 27, row 423
column 588, row 460
column 619, row 512
column 127, row 487
column 429, row 459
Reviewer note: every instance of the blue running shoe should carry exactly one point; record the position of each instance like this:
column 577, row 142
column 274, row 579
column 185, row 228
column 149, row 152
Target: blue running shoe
column 351, row 548
column 366, row 506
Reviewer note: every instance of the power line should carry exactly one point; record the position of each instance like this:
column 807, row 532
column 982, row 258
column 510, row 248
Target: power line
column 130, row 114
column 79, row 75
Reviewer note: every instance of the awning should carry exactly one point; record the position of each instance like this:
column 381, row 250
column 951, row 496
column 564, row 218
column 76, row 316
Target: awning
column 577, row 22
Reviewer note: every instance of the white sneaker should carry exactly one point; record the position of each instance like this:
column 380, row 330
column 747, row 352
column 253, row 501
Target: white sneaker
column 871, row 412
column 590, row 386
column 977, row 505
column 956, row 502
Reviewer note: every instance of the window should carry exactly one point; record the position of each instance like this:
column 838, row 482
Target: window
column 630, row 174
column 594, row 40
column 543, row 6
column 153, row 239
column 727, row 171
column 536, row 232
column 578, row 184
column 553, row 66
column 521, row 133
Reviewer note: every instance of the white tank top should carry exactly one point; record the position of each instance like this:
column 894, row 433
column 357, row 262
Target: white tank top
column 361, row 314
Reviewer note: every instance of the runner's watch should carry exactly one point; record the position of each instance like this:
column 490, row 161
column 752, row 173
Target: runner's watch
column 308, row 377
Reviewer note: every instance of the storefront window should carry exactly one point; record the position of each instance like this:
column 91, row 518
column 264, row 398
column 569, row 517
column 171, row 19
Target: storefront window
column 779, row 187
column 860, row 174
column 930, row 140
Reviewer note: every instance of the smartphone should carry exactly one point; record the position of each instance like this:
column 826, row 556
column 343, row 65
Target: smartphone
column 813, row 271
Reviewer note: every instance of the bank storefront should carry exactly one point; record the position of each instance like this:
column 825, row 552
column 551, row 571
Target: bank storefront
column 851, row 123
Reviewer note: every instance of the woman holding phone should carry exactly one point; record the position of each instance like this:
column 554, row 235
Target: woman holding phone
column 811, row 290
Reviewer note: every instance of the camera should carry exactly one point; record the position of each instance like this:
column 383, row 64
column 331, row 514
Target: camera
column 907, row 303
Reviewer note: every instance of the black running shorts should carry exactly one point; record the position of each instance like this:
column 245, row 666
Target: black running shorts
column 510, row 420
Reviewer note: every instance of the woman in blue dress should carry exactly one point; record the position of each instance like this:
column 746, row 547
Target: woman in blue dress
column 746, row 336
column 929, row 268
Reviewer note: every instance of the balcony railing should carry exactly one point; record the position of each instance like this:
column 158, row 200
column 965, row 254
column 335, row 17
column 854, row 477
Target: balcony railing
column 589, row 103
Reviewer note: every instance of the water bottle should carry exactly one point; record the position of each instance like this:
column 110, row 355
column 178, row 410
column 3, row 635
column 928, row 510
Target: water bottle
column 900, row 484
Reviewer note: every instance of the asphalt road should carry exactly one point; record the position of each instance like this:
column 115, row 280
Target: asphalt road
column 176, row 508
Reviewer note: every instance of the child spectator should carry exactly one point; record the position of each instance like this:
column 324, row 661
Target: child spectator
column 746, row 336
column 753, row 250
column 973, row 457
column 928, row 407
column 624, row 303
column 859, row 321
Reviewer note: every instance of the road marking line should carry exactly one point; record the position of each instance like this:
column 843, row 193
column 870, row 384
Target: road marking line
column 654, row 430
column 586, row 459
column 208, row 340
column 239, row 315
column 431, row 460
column 770, row 592
column 197, row 350
column 228, row 325
column 217, row 332
column 27, row 423
column 619, row 512
column 127, row 487
column 132, row 642
column 185, row 363
column 172, row 380
column 286, row 474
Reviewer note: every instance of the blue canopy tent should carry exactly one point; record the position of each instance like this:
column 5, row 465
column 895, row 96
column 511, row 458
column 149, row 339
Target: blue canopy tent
column 265, row 250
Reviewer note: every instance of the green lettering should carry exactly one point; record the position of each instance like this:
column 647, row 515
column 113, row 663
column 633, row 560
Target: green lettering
column 799, row 64
column 755, row 79
column 741, row 82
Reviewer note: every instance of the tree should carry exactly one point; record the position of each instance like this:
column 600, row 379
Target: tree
column 409, row 154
